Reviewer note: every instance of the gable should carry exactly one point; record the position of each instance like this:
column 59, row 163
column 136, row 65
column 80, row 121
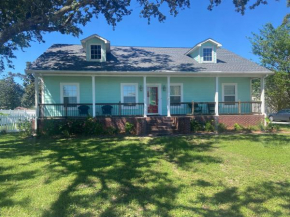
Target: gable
column 197, row 52
column 96, row 40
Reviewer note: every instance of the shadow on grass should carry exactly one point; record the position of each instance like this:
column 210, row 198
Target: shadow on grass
column 232, row 201
column 266, row 139
column 116, row 176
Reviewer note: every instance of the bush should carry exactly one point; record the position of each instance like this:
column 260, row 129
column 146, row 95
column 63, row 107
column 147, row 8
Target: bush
column 72, row 127
column 251, row 128
column 221, row 128
column 25, row 128
column 92, row 127
column 195, row 126
column 238, row 127
column 129, row 128
column 111, row 131
column 3, row 132
column 209, row 126
column 272, row 127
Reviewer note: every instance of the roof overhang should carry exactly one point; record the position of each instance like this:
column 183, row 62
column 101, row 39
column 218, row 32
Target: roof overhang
column 151, row 73
column 198, row 45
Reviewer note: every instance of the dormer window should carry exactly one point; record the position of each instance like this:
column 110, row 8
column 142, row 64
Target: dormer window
column 96, row 52
column 207, row 54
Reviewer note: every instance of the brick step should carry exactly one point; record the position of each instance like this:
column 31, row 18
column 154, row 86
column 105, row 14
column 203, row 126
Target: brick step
column 161, row 124
column 160, row 132
column 160, row 121
column 161, row 128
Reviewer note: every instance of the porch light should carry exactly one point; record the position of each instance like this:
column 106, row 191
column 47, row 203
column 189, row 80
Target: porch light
column 164, row 88
column 141, row 87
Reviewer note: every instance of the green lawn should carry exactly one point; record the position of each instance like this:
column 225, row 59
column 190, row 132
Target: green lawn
column 226, row 175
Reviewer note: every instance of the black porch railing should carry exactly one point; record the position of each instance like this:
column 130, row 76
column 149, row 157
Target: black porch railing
column 119, row 109
column 192, row 108
column 60, row 110
column 240, row 108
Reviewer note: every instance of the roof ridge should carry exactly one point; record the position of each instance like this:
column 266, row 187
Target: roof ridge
column 123, row 46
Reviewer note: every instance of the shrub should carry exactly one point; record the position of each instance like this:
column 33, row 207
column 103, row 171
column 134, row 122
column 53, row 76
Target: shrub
column 129, row 128
column 111, row 131
column 92, row 127
column 72, row 127
column 251, row 128
column 25, row 128
column 272, row 127
column 209, row 126
column 238, row 127
column 221, row 128
column 195, row 125
column 3, row 132
column 261, row 126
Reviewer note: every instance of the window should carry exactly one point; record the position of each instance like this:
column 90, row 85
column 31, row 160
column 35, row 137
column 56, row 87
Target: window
column 229, row 93
column 175, row 93
column 207, row 54
column 129, row 93
column 96, row 52
column 69, row 93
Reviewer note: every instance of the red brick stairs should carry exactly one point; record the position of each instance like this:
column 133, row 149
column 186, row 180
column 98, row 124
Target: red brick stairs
column 157, row 126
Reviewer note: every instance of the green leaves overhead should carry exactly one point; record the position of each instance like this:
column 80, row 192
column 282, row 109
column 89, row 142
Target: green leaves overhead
column 272, row 45
column 24, row 21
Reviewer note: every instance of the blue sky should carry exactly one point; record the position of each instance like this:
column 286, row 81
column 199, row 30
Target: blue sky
column 190, row 26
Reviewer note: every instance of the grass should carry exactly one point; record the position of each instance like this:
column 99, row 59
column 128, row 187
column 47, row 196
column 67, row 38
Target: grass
column 226, row 175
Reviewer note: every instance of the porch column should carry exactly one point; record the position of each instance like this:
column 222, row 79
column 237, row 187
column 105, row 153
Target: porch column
column 216, row 97
column 168, row 96
column 145, row 96
column 263, row 95
column 36, row 89
column 94, row 95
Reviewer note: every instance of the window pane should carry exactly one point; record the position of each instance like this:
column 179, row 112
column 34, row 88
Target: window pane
column 69, row 100
column 96, row 51
column 229, row 90
column 175, row 90
column 175, row 99
column 230, row 98
column 207, row 54
column 129, row 99
column 129, row 94
column 129, row 90
column 69, row 90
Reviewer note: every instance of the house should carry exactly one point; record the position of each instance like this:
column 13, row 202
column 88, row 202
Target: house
column 148, row 84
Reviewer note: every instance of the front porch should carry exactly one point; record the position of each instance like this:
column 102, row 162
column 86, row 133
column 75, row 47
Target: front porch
column 116, row 100
column 83, row 110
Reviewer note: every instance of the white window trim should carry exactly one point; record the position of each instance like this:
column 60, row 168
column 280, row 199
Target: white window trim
column 236, row 93
column 181, row 92
column 122, row 95
column 212, row 55
column 61, row 91
column 96, row 60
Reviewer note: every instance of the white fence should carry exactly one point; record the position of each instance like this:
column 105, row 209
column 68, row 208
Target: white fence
column 10, row 119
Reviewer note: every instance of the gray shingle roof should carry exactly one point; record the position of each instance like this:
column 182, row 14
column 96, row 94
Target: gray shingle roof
column 73, row 57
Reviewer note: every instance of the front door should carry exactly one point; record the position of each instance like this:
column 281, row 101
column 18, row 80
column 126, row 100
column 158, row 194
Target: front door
column 152, row 99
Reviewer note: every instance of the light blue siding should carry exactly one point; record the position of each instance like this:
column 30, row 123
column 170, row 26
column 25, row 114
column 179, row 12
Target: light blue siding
column 243, row 94
column 197, row 54
column 108, row 89
column 95, row 41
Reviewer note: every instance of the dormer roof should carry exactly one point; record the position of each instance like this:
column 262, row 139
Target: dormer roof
column 198, row 45
column 107, row 42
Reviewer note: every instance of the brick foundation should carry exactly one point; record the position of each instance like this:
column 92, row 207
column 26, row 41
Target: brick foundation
column 244, row 120
column 181, row 123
